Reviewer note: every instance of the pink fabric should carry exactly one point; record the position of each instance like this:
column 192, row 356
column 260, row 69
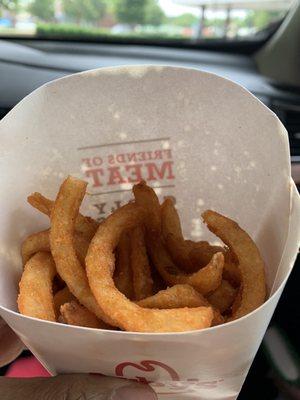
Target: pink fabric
column 28, row 367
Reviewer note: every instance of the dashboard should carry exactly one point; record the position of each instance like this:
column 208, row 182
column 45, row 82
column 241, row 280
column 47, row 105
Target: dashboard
column 27, row 64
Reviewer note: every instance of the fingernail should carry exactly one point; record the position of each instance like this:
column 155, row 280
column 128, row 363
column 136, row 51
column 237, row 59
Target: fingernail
column 134, row 392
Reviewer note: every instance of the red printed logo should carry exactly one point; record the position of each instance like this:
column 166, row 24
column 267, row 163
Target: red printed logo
column 146, row 366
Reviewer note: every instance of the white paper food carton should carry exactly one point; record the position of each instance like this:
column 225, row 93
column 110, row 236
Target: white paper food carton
column 192, row 135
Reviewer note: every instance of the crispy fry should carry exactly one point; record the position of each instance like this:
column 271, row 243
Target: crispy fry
column 231, row 269
column 61, row 297
column 223, row 297
column 35, row 243
column 85, row 225
column 41, row 242
column 75, row 314
column 178, row 248
column 177, row 296
column 146, row 198
column 35, row 297
column 127, row 314
column 170, row 222
column 202, row 252
column 158, row 282
column 141, row 271
column 205, row 280
column 179, row 251
column 251, row 265
column 63, row 217
column 123, row 271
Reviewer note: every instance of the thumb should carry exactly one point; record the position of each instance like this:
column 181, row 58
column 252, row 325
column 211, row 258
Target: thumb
column 74, row 387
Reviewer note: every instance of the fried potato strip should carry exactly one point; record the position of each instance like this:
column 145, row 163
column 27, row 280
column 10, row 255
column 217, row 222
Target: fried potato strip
column 178, row 248
column 61, row 297
column 223, row 297
column 41, row 242
column 75, row 314
column 177, row 296
column 123, row 271
column 85, row 225
column 63, row 216
column 146, row 198
column 35, row 297
column 141, row 270
column 128, row 315
column 251, row 265
column 205, row 280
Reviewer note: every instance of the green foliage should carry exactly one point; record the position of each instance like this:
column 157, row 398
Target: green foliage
column 42, row 9
column 84, row 10
column 75, row 31
column 154, row 15
column 10, row 5
column 131, row 12
column 184, row 20
column 261, row 18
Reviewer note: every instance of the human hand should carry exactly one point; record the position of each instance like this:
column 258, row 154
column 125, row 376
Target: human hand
column 74, row 387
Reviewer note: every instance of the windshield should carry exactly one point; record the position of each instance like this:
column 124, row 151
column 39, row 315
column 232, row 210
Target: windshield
column 185, row 20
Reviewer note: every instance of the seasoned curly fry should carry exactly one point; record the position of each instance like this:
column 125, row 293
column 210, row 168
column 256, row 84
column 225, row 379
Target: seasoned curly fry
column 85, row 225
column 223, row 297
column 41, row 242
column 34, row 243
column 128, row 315
column 63, row 217
column 61, row 297
column 36, row 298
column 75, row 314
column 141, row 271
column 178, row 248
column 205, row 280
column 170, row 222
column 123, row 271
column 179, row 296
column 251, row 265
column 146, row 198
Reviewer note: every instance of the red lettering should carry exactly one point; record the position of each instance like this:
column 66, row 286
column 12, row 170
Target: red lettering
column 115, row 177
column 111, row 159
column 135, row 172
column 97, row 161
column 87, row 162
column 142, row 156
column 131, row 157
column 158, row 155
column 121, row 158
column 95, row 175
column 163, row 172
column 150, row 155
column 168, row 153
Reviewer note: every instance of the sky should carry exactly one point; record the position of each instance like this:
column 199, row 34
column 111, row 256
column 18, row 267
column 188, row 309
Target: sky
column 172, row 9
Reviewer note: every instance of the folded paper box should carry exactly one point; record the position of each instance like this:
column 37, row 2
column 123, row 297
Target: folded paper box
column 192, row 135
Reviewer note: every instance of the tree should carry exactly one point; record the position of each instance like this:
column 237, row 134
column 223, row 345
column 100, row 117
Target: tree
column 185, row 20
column 261, row 18
column 154, row 15
column 88, row 10
column 10, row 5
column 132, row 12
column 42, row 9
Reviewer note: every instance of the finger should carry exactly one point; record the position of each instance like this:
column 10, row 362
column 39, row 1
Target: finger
column 10, row 345
column 74, row 387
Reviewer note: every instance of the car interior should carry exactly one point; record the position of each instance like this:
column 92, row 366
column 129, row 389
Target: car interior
column 267, row 65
